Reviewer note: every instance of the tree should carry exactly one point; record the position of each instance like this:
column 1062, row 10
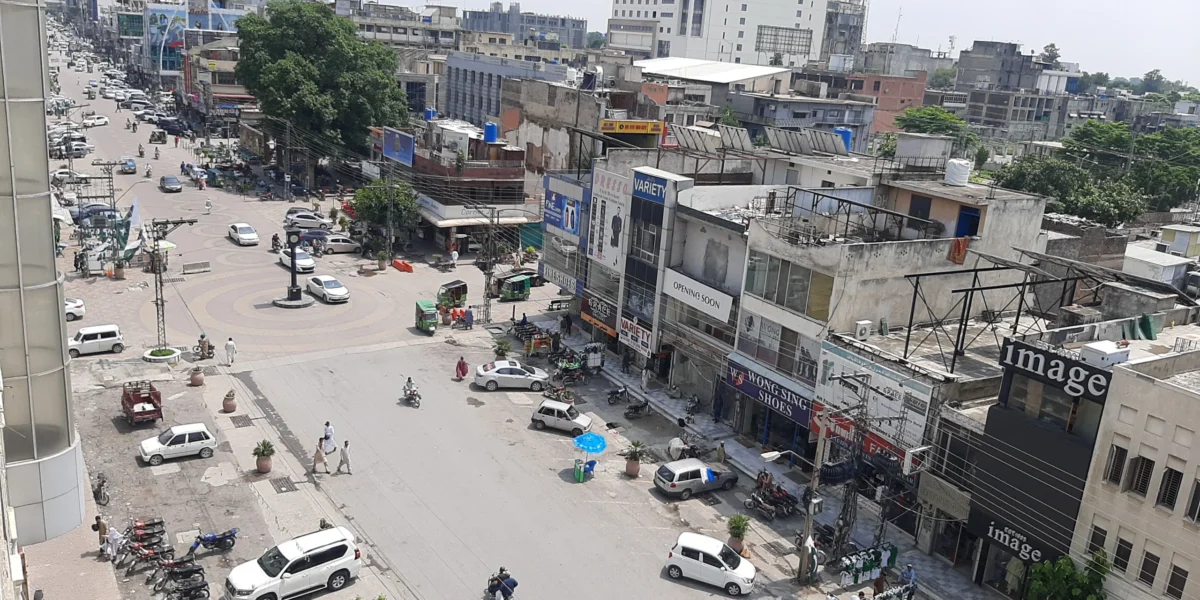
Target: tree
column 982, row 154
column 1088, row 82
column 1059, row 580
column 309, row 67
column 1152, row 82
column 1050, row 54
column 1043, row 175
column 387, row 202
column 776, row 60
column 1103, row 144
column 937, row 120
column 887, row 146
column 1121, row 83
column 727, row 117
column 1110, row 203
column 943, row 79
column 595, row 39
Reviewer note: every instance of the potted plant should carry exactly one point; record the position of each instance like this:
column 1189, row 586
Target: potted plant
column 502, row 348
column 737, row 526
column 229, row 403
column 119, row 270
column 196, row 378
column 262, row 455
column 382, row 257
column 634, row 455
column 333, row 214
column 344, row 223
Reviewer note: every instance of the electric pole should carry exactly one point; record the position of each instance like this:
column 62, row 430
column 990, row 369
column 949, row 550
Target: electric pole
column 160, row 229
column 805, row 575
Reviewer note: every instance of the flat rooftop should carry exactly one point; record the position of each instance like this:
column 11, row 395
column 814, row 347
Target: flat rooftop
column 1154, row 257
column 972, row 193
column 803, row 98
column 1182, row 337
column 862, row 165
column 708, row 71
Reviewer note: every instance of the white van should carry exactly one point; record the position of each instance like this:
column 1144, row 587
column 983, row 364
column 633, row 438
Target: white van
column 326, row 559
column 709, row 560
column 101, row 338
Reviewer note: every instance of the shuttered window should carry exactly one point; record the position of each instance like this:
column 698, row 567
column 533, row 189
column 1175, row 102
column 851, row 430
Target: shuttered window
column 1168, row 490
column 1115, row 469
column 1141, row 471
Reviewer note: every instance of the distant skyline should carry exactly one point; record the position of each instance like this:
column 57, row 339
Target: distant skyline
column 1088, row 32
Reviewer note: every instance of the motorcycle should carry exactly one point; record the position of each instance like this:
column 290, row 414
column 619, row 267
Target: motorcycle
column 637, row 409
column 193, row 591
column 156, row 154
column 413, row 398
column 276, row 245
column 137, row 553
column 141, row 152
column 147, row 523
column 620, row 394
column 757, row 502
column 179, row 577
column 684, row 447
column 266, row 196
column 149, row 172
column 165, row 564
column 571, row 377
column 502, row 582
column 100, row 491
column 143, row 535
column 222, row 541
column 200, row 353
column 693, row 405
column 560, row 394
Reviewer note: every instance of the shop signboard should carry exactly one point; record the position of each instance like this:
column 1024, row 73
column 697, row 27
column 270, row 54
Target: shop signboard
column 888, row 394
column 626, row 126
column 562, row 212
column 649, row 187
column 398, row 146
column 1013, row 540
column 600, row 313
column 561, row 279
column 774, row 391
column 1056, row 369
column 702, row 297
column 635, row 336
column 609, row 215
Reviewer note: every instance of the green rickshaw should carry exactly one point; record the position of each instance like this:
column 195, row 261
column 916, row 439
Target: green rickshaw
column 516, row 288
column 453, row 294
column 427, row 316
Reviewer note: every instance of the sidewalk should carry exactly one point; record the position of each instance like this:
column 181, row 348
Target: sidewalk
column 937, row 580
column 69, row 566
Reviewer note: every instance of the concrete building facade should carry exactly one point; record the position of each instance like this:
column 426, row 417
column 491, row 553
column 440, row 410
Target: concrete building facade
column 758, row 110
column 506, row 45
column 997, row 66
column 893, row 94
column 474, row 82
column 1017, row 115
column 903, row 60
column 570, row 31
column 434, row 27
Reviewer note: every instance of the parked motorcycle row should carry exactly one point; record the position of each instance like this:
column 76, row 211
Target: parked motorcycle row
column 144, row 544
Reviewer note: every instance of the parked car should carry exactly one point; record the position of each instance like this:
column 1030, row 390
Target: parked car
column 325, row 559
column 243, row 234
column 74, row 308
column 510, row 374
column 689, row 476
column 80, row 210
column 306, row 220
column 328, row 288
column 176, row 442
column 340, row 243
column 304, row 262
column 95, row 121
column 65, row 176
column 169, row 183
column 93, row 83
column 709, row 560
column 90, row 340
column 561, row 416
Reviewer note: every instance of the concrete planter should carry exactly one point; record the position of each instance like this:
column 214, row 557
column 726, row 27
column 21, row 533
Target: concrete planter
column 633, row 468
column 169, row 358
column 263, row 464
column 229, row 404
column 196, row 378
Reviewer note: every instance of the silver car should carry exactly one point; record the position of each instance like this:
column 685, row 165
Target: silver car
column 340, row 244
column 689, row 476
column 510, row 374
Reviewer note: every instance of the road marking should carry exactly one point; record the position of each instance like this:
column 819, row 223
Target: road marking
column 174, row 396
column 520, row 399
column 164, row 469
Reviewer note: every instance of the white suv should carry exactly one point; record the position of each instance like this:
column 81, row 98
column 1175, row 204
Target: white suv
column 324, row 559
column 710, row 561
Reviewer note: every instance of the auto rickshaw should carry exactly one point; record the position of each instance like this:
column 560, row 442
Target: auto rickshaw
column 427, row 316
column 453, row 294
column 516, row 288
column 158, row 137
column 91, row 94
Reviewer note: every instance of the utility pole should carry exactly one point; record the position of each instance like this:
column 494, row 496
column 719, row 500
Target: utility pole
column 804, row 576
column 160, row 229
column 287, row 163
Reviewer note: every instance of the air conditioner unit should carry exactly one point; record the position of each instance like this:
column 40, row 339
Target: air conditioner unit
column 1162, row 247
column 862, row 330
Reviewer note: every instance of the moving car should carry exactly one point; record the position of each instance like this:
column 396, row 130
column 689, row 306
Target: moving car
column 128, row 165
column 74, row 308
column 328, row 288
column 562, row 416
column 325, row 559
column 304, row 262
column 95, row 121
column 169, row 183
column 340, row 243
column 243, row 234
column 178, row 441
column 689, row 476
column 93, row 83
column 90, row 340
column 63, row 176
column 305, row 220
column 709, row 560
column 510, row 374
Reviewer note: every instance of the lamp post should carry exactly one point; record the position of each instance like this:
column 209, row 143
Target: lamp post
column 293, row 240
column 806, row 574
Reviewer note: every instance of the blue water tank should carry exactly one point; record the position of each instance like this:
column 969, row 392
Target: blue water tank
column 847, row 136
column 491, row 132
column 430, row 114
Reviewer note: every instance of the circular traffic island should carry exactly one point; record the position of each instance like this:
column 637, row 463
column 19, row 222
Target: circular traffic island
column 168, row 356
column 302, row 302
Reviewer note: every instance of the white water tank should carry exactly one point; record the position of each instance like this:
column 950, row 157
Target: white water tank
column 958, row 172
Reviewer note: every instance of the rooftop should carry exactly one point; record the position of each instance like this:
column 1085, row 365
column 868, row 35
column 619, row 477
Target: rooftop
column 1183, row 228
column 972, row 193
column 709, row 71
column 803, row 98
column 1154, row 257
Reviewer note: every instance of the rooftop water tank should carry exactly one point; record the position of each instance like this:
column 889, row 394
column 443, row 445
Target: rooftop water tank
column 847, row 135
column 491, row 132
column 958, row 172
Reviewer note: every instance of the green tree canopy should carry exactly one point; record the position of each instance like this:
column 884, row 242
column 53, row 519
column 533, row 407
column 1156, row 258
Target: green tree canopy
column 595, row 39
column 1059, row 580
column 937, row 120
column 1109, row 203
column 1043, row 175
column 1051, row 54
column 308, row 66
column 728, row 118
column 943, row 79
column 1152, row 82
column 387, row 199
column 1103, row 143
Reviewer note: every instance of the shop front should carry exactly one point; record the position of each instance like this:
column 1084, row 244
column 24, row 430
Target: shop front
column 1007, row 553
column 600, row 316
column 771, row 410
column 943, row 529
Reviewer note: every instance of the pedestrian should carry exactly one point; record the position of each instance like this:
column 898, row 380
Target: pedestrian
column 880, row 583
column 176, row 141
column 319, row 456
column 470, row 317
column 721, row 453
column 101, row 529
column 207, row 206
column 862, row 595
column 647, row 375
column 454, row 258
column 112, row 544
column 344, row 461
column 182, row 167
column 909, row 577
column 330, row 444
column 230, row 351
column 460, row 370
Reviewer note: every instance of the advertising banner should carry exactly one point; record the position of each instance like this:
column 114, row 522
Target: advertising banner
column 398, row 146
column 131, row 25
column 635, row 336
column 706, row 299
column 1059, row 370
column 643, row 127
column 164, row 27
column 600, row 313
column 562, row 212
column 609, row 213
column 370, row 169
column 888, row 394
column 776, row 392
column 649, row 187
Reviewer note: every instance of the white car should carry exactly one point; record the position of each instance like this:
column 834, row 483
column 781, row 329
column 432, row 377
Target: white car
column 95, row 121
column 62, row 176
column 306, row 220
column 109, row 93
column 561, row 416
column 304, row 262
column 325, row 559
column 510, row 374
column 178, row 441
column 75, row 309
column 243, row 234
column 328, row 288
column 709, row 560
column 93, row 83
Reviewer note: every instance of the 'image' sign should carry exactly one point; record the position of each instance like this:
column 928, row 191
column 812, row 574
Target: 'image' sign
column 1063, row 372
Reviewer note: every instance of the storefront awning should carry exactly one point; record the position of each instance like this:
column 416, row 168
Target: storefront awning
column 467, row 222
column 234, row 96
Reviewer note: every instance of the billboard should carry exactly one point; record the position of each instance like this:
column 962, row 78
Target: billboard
column 702, row 297
column 131, row 25
column 398, row 146
column 165, row 27
column 1058, row 370
column 899, row 401
column 635, row 336
column 562, row 212
column 609, row 215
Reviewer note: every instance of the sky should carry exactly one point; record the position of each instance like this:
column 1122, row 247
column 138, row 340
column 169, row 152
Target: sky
column 1124, row 38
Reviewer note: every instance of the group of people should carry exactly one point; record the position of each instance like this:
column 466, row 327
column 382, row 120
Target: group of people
column 326, row 445
column 908, row 577
column 465, row 315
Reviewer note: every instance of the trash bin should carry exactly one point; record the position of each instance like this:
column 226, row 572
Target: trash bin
column 579, row 471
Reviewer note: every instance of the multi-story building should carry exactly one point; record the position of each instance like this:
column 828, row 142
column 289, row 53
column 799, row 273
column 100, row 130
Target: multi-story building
column 893, row 94
column 1017, row 115
column 636, row 37
column 506, row 45
column 903, row 60
column 954, row 102
column 211, row 90
column 474, row 81
column 757, row 110
column 841, row 44
column 997, row 66
column 756, row 32
column 725, row 79
column 422, row 76
column 570, row 31
column 434, row 28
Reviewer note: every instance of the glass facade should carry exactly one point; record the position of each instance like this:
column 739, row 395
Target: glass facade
column 791, row 286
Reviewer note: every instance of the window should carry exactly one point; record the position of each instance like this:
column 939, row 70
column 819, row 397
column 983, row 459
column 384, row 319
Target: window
column 644, row 242
column 1149, row 568
column 668, row 15
column 1193, row 508
column 178, row 440
column 798, row 14
column 742, row 21
column 739, row 47
column 198, row 436
column 743, row 8
column 1121, row 556
column 491, row 40
column 1115, row 468
column 741, row 34
column 1176, row 582
column 329, row 555
column 713, row 562
column 875, row 86
column 918, row 206
column 1097, row 540
column 690, row 553
column 1168, row 490
column 1141, row 470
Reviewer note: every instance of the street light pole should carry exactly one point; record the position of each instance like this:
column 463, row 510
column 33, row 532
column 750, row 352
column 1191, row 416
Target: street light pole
column 807, row 570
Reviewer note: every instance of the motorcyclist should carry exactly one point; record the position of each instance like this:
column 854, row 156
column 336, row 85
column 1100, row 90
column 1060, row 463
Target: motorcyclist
column 503, row 583
column 410, row 388
column 156, row 154
column 141, row 151
column 275, row 243
column 205, row 345
column 149, row 171
column 127, row 124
